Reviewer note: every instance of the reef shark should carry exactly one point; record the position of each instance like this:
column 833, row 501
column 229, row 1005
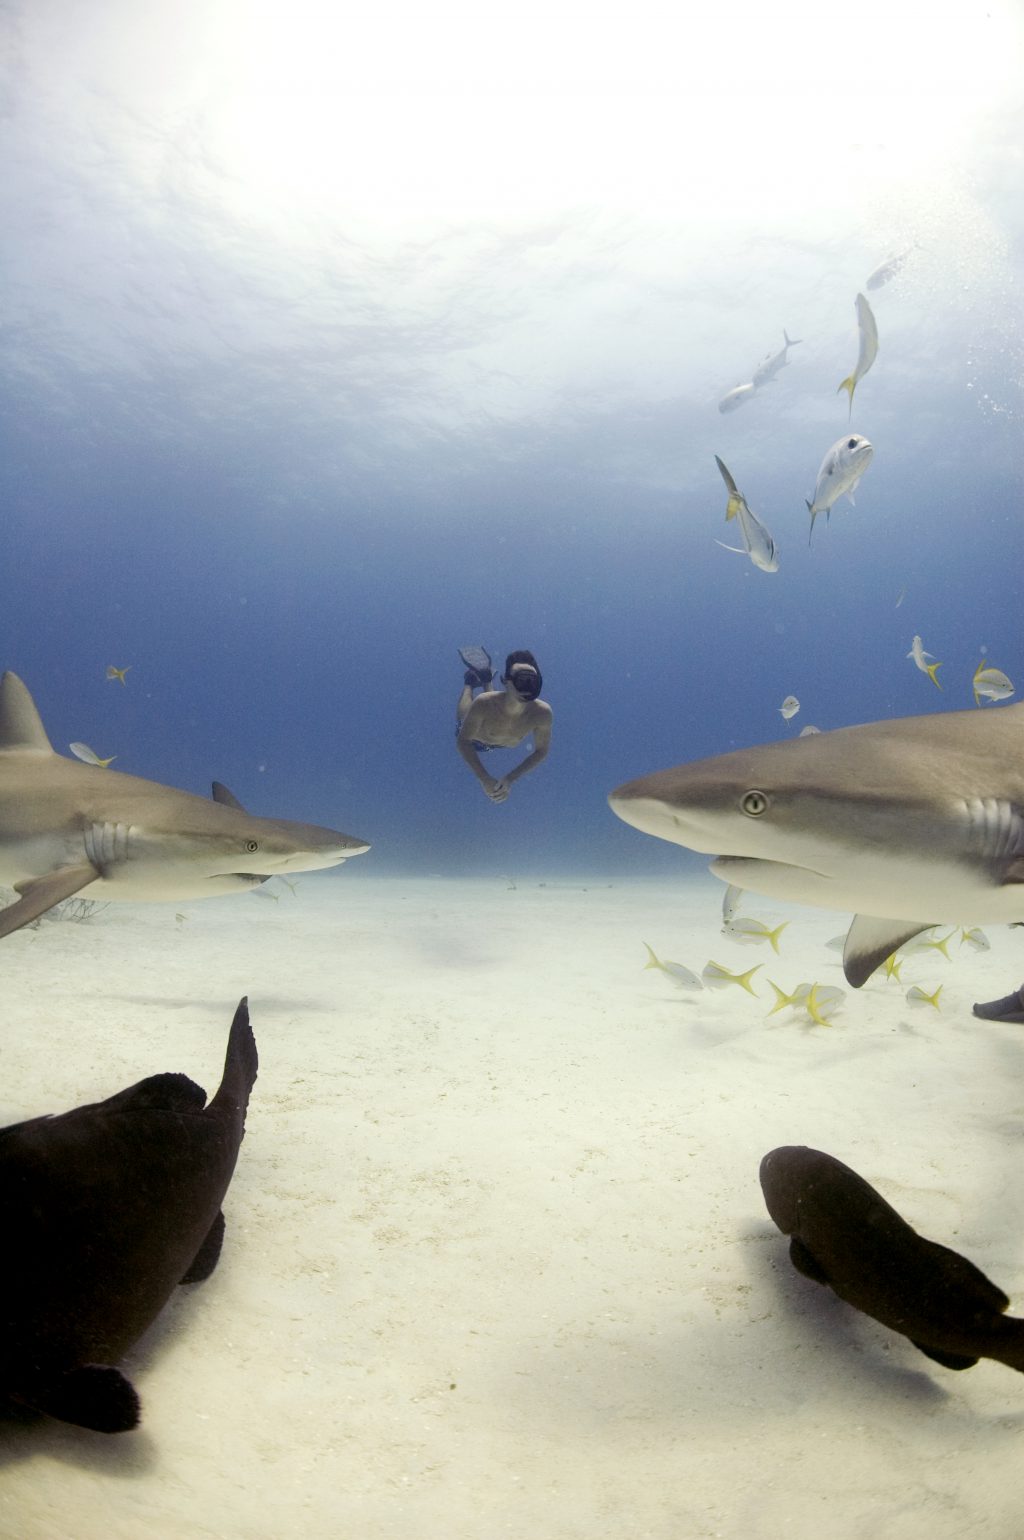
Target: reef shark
column 66, row 827
column 912, row 822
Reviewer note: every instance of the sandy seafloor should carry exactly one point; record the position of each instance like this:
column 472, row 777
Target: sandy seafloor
column 497, row 1262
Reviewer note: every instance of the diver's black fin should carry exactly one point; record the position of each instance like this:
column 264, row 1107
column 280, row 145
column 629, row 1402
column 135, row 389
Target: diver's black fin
column 806, row 1262
column 96, row 1396
column 208, row 1255
column 947, row 1360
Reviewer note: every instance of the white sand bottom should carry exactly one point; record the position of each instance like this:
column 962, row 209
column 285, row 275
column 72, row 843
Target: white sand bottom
column 497, row 1262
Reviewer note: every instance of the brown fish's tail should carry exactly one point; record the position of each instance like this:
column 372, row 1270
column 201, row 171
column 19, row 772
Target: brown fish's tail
column 240, row 1063
column 1008, row 1343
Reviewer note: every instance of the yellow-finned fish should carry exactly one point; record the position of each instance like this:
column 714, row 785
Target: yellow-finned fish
column 757, row 542
column 748, row 931
column 717, row 977
column 868, row 349
column 89, row 756
column 118, row 673
column 736, row 397
column 928, row 943
column 730, row 902
column 991, row 683
column 684, row 977
column 820, row 1001
column 770, row 365
column 921, row 657
column 917, row 996
column 789, row 708
column 893, row 964
column 976, row 938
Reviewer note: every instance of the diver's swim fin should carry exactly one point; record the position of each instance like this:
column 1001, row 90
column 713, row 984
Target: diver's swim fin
column 478, row 664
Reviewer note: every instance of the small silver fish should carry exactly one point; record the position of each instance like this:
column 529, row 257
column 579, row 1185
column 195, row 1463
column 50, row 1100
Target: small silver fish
column 770, row 365
column 917, row 996
column 808, row 731
column 886, row 270
column 757, row 542
column 837, row 944
column 838, row 475
column 976, row 938
column 736, row 397
column 921, row 657
column 789, row 708
column 675, row 971
column 731, row 902
column 991, row 683
column 868, row 349
column 749, row 931
column 717, row 977
column 89, row 756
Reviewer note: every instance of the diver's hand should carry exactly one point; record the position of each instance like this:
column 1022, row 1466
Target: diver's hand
column 496, row 790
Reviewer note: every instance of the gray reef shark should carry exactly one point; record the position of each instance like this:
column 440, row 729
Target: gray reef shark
column 66, row 827
column 910, row 823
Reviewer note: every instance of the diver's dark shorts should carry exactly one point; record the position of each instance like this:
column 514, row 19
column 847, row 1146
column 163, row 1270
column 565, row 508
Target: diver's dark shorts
column 481, row 748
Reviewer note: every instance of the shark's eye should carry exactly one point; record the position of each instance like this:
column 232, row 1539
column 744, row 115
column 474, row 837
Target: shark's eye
column 754, row 803
column 252, row 846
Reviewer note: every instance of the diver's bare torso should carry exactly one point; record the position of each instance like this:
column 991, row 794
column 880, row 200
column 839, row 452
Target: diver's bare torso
column 491, row 720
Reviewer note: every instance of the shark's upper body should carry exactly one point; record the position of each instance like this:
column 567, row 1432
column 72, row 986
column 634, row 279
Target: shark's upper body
column 65, row 826
column 909, row 823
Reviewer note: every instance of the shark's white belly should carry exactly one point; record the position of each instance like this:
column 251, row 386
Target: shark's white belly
column 908, row 889
column 126, row 874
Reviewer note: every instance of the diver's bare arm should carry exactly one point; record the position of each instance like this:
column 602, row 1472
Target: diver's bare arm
column 464, row 744
column 541, row 745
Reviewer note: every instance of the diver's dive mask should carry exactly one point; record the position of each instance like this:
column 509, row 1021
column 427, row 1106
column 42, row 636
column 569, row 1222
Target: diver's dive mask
column 525, row 680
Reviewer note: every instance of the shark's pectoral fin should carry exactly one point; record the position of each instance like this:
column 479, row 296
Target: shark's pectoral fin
column 41, row 893
column 870, row 940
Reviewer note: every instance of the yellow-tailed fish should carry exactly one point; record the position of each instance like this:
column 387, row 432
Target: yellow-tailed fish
column 921, row 657
column 731, row 902
column 89, row 756
column 675, row 971
column 808, row 731
column 975, row 937
column 789, row 708
column 917, row 996
column 717, row 977
column 927, row 943
column 747, row 931
column 991, row 683
column 822, row 1001
column 757, row 542
column 868, row 348
column 792, row 1001
column 118, row 673
column 893, row 964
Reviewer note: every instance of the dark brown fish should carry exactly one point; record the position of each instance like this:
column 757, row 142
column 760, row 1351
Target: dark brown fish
column 104, row 1211
column 844, row 1234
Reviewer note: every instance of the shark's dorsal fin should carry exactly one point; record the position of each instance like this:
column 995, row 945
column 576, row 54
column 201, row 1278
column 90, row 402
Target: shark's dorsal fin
column 21, row 727
column 225, row 797
column 870, row 940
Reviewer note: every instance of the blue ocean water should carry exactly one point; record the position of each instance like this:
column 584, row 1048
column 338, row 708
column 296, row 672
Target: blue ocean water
column 282, row 459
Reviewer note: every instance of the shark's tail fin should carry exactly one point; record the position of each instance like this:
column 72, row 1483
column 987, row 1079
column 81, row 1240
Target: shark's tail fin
column 240, row 1063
